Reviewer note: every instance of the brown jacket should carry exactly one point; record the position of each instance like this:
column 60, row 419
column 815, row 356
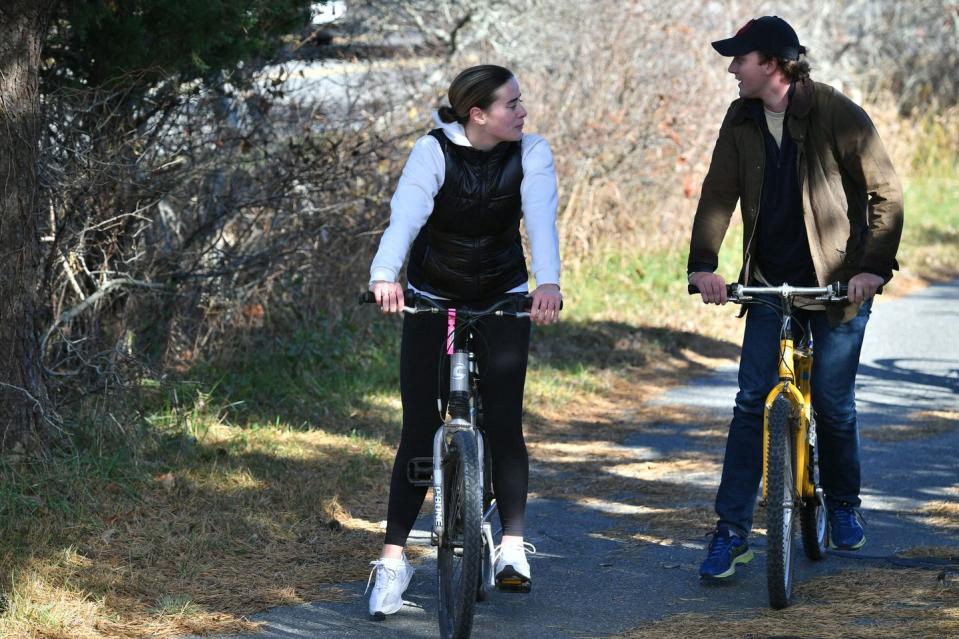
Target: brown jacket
column 852, row 200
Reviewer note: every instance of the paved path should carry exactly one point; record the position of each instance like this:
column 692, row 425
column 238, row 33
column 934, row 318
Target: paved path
column 588, row 585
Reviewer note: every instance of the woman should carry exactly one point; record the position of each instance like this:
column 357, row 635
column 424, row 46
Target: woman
column 458, row 204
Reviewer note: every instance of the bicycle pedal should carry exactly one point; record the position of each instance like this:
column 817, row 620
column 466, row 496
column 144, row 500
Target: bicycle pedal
column 419, row 471
column 513, row 581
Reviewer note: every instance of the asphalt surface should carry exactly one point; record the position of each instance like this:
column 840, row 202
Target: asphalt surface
column 590, row 585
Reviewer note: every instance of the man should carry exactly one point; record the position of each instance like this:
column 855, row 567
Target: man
column 820, row 203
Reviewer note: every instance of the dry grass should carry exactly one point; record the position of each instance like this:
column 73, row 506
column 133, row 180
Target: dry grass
column 949, row 553
column 257, row 519
column 897, row 603
column 941, row 514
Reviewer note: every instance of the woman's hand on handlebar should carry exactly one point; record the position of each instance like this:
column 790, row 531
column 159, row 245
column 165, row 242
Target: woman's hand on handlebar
column 389, row 296
column 711, row 286
column 546, row 304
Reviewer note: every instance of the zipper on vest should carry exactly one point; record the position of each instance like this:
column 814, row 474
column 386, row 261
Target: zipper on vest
column 484, row 210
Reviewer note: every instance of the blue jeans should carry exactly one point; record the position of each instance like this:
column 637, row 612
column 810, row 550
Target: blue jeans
column 835, row 363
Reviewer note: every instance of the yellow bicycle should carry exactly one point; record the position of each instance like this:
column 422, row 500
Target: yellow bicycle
column 790, row 455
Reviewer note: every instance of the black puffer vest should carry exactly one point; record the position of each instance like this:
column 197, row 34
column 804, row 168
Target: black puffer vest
column 470, row 248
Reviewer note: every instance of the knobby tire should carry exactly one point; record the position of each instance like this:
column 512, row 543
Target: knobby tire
column 459, row 572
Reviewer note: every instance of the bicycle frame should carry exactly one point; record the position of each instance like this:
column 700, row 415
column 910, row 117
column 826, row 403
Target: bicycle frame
column 462, row 416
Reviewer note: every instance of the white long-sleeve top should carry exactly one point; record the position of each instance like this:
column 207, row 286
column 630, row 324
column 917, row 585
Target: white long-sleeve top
column 421, row 180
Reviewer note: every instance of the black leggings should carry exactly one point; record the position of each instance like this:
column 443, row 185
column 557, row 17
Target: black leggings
column 501, row 345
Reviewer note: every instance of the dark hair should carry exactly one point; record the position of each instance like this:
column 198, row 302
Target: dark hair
column 794, row 70
column 473, row 87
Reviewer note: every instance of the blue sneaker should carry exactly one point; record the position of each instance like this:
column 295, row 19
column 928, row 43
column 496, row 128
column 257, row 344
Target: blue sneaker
column 725, row 551
column 845, row 528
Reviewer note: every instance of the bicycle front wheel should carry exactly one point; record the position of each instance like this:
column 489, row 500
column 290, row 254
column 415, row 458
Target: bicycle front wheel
column 780, row 502
column 461, row 550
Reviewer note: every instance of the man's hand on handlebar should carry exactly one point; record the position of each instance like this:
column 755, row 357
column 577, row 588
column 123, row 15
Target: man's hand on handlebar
column 389, row 296
column 711, row 286
column 863, row 287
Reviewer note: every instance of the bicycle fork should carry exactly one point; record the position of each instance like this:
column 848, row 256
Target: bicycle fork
column 795, row 370
column 460, row 418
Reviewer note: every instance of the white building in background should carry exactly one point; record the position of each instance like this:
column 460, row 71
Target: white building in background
column 326, row 12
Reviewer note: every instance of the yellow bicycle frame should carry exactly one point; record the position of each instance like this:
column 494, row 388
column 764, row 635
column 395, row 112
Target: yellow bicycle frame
column 795, row 372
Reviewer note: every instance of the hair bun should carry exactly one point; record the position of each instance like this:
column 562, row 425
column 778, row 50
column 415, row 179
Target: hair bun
column 447, row 114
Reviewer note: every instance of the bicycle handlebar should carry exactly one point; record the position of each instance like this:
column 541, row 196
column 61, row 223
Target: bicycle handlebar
column 512, row 305
column 835, row 292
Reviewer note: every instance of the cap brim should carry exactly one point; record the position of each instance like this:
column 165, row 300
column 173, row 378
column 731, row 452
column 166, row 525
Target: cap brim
column 732, row 47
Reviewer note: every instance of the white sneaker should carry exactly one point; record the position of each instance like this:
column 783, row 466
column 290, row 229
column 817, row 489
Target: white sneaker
column 392, row 578
column 511, row 568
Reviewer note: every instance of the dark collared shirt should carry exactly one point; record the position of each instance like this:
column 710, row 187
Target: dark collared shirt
column 782, row 246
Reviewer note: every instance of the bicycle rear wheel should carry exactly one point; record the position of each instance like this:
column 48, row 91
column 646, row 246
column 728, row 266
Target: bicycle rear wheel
column 460, row 551
column 812, row 517
column 486, row 566
column 779, row 503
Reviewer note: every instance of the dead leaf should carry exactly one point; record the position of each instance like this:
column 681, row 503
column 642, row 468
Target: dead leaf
column 167, row 480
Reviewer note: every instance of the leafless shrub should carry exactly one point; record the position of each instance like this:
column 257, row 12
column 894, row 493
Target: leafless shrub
column 214, row 212
column 909, row 50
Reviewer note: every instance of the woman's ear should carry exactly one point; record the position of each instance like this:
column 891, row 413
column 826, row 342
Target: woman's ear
column 477, row 115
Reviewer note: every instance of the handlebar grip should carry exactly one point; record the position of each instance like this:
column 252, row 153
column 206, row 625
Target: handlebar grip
column 367, row 297
column 694, row 290
column 843, row 289
column 528, row 304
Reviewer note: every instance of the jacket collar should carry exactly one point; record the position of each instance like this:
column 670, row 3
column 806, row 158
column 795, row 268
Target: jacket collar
column 454, row 131
column 800, row 103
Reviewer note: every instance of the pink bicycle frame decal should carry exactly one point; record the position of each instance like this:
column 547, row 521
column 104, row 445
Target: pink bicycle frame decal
column 450, row 329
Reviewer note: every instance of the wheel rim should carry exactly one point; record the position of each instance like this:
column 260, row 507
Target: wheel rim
column 821, row 520
column 788, row 509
